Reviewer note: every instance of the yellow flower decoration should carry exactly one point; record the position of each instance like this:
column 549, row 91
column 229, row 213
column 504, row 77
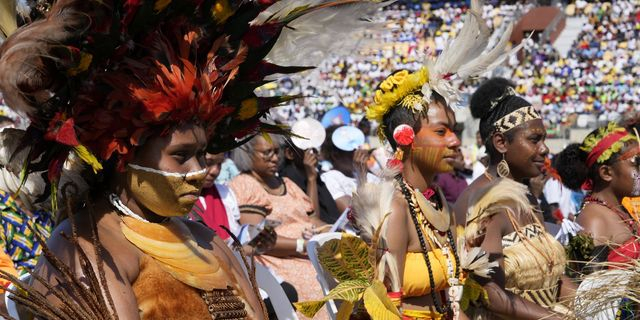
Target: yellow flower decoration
column 248, row 109
column 83, row 65
column 394, row 89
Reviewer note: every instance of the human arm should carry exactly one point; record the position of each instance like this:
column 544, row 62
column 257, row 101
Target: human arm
column 119, row 264
column 502, row 302
column 310, row 162
column 283, row 247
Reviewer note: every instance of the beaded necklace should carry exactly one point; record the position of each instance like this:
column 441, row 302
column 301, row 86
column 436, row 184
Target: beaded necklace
column 425, row 253
column 624, row 216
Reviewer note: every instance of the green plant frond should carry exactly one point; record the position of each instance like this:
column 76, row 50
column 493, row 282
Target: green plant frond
column 350, row 290
column 355, row 253
column 378, row 304
column 344, row 313
column 332, row 261
column 309, row 308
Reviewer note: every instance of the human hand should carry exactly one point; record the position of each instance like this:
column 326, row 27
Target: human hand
column 308, row 233
column 265, row 240
column 360, row 158
column 310, row 162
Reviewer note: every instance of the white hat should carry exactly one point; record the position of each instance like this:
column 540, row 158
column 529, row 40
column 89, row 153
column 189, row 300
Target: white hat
column 347, row 138
column 311, row 131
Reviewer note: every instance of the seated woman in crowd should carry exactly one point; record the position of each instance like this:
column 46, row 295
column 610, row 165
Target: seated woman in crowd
column 501, row 215
column 261, row 195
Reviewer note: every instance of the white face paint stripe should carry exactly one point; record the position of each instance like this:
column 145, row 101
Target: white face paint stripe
column 168, row 174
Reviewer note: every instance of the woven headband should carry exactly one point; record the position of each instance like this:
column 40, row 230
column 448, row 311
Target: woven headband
column 515, row 119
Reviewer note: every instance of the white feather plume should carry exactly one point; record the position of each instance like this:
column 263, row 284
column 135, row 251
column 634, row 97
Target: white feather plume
column 475, row 260
column 467, row 56
column 308, row 40
column 371, row 203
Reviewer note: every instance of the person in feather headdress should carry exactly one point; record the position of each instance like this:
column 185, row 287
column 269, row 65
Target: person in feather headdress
column 140, row 91
column 405, row 218
column 502, row 218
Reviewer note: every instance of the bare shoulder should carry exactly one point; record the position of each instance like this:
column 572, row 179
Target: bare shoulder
column 462, row 204
column 595, row 221
column 115, row 251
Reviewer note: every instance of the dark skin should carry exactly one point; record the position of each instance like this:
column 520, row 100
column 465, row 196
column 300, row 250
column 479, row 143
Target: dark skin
column 264, row 171
column 182, row 150
column 615, row 182
column 418, row 171
column 525, row 154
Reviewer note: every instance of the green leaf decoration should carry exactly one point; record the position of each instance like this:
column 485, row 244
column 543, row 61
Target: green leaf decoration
column 309, row 308
column 378, row 304
column 350, row 290
column 355, row 253
column 473, row 292
column 331, row 260
column 344, row 313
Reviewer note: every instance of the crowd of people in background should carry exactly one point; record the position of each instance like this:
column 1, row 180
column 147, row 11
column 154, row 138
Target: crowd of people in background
column 598, row 75
column 271, row 195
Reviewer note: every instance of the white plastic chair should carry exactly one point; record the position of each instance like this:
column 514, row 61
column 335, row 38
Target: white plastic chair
column 324, row 278
column 269, row 284
column 12, row 307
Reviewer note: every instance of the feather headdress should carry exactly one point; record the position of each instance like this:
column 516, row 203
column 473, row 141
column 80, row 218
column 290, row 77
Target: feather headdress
column 98, row 77
column 464, row 57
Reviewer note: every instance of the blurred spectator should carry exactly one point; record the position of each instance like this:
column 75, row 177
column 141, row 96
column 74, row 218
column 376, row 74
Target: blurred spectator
column 349, row 161
column 453, row 183
column 261, row 195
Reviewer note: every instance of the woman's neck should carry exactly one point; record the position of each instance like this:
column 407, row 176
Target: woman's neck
column 416, row 178
column 267, row 180
column 607, row 195
column 137, row 209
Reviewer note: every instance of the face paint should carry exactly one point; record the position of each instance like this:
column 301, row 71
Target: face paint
column 166, row 194
column 434, row 158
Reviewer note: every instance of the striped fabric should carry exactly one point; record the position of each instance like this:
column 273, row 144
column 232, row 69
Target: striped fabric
column 17, row 237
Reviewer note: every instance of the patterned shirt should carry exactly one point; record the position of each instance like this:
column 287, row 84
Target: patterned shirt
column 17, row 237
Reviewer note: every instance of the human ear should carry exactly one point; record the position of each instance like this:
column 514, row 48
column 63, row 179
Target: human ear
column 500, row 142
column 606, row 173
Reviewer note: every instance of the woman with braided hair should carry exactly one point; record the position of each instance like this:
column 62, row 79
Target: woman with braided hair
column 140, row 91
column 501, row 215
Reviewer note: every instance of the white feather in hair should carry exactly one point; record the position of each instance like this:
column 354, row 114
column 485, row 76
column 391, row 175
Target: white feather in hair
column 311, row 38
column 371, row 203
column 466, row 56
